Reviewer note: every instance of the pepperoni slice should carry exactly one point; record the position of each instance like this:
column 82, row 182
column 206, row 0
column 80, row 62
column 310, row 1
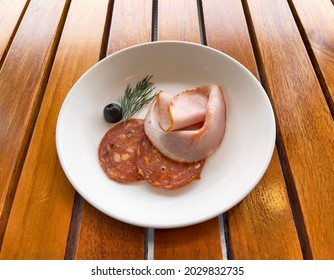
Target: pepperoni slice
column 118, row 151
column 163, row 172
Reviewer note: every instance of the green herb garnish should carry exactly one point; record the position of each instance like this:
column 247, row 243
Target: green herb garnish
column 135, row 98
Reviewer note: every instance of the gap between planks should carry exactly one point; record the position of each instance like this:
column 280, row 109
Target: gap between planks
column 201, row 22
column 74, row 227
column 154, row 20
column 286, row 169
column 106, row 32
column 149, row 232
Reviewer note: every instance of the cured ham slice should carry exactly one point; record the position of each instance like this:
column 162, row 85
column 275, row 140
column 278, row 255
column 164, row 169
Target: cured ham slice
column 183, row 110
column 170, row 131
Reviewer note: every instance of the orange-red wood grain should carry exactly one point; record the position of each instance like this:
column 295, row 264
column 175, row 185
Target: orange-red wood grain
column 102, row 238
column 131, row 24
column 178, row 20
column 261, row 226
column 198, row 242
column 304, row 121
column 41, row 214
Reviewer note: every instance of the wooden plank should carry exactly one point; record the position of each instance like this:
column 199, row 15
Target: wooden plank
column 131, row 24
column 22, row 79
column 41, row 214
column 100, row 236
column 317, row 19
column 262, row 225
column 199, row 242
column 304, row 122
column 11, row 13
column 178, row 20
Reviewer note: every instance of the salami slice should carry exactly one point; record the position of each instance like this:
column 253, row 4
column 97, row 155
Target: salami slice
column 163, row 172
column 118, row 151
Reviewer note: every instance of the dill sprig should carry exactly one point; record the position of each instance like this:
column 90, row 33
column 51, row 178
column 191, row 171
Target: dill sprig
column 135, row 98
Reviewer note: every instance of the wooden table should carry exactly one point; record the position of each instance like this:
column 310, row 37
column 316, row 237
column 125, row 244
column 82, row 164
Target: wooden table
column 45, row 46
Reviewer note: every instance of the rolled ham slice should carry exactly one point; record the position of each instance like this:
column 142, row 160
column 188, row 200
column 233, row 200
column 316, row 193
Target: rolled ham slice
column 183, row 110
column 178, row 135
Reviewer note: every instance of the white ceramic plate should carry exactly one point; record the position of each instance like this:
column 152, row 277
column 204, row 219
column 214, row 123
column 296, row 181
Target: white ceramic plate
column 228, row 175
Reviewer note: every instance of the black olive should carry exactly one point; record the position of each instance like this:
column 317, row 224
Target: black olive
column 112, row 113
